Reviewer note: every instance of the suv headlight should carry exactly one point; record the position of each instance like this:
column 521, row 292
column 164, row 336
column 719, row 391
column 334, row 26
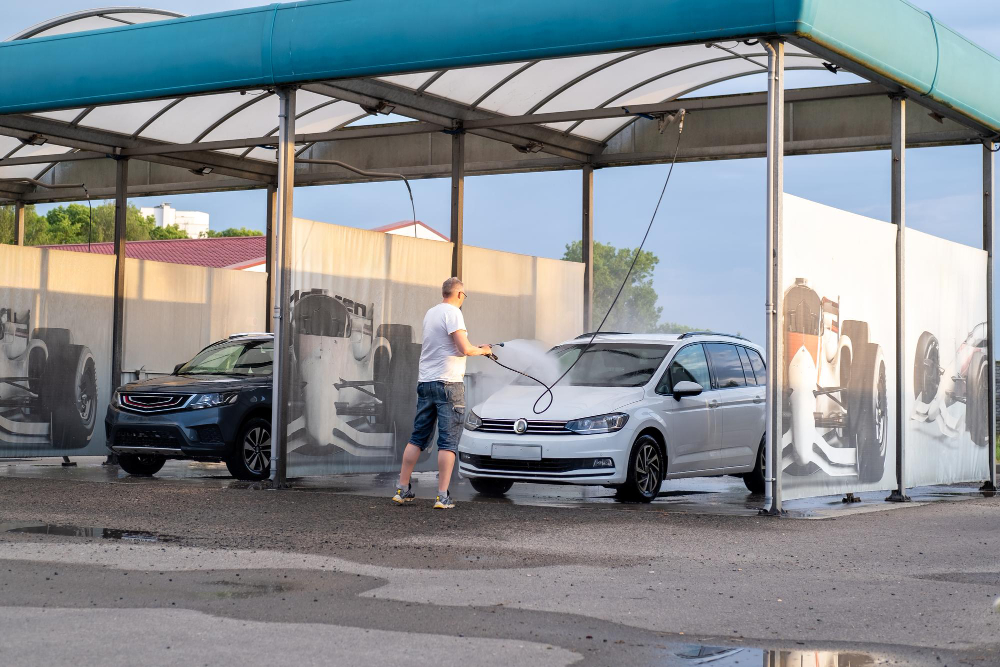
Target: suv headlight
column 116, row 399
column 213, row 400
column 600, row 424
column 472, row 420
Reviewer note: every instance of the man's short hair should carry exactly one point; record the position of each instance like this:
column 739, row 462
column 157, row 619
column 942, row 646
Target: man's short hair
column 450, row 286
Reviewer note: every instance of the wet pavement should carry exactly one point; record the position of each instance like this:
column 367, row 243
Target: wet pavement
column 331, row 571
column 723, row 496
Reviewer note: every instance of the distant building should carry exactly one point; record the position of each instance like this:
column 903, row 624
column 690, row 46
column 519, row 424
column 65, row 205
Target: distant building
column 243, row 253
column 412, row 228
column 194, row 223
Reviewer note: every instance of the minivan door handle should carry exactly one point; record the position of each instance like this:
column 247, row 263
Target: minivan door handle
column 758, row 399
column 713, row 404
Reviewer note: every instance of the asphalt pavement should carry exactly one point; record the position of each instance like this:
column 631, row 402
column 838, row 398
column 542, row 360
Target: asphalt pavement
column 193, row 568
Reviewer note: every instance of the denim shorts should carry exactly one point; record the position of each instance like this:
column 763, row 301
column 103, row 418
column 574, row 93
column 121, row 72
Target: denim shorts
column 442, row 403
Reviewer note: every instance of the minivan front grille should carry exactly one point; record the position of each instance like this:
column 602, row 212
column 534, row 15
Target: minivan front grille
column 153, row 402
column 535, row 427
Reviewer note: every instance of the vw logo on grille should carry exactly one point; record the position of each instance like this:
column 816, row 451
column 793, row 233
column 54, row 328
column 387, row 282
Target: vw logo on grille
column 520, row 426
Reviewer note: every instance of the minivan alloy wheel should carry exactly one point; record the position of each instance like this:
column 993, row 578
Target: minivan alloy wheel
column 648, row 468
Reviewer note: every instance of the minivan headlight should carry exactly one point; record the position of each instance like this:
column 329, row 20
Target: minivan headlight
column 472, row 420
column 213, row 400
column 600, row 424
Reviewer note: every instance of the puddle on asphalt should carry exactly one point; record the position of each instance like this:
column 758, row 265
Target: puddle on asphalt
column 87, row 531
column 738, row 656
column 237, row 590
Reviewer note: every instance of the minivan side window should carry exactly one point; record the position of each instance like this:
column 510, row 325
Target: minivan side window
column 758, row 366
column 688, row 364
column 726, row 365
column 747, row 368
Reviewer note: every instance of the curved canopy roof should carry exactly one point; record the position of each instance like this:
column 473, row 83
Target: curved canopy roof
column 620, row 78
column 426, row 61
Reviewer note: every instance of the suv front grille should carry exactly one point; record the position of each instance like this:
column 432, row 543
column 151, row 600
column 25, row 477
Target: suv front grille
column 146, row 436
column 536, row 427
column 153, row 402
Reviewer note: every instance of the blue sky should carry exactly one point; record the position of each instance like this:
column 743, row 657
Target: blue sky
column 710, row 232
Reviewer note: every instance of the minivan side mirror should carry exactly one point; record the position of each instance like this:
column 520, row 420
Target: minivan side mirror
column 177, row 368
column 687, row 388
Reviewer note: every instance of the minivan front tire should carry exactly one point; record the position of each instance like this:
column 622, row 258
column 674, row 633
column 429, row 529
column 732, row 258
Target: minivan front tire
column 646, row 467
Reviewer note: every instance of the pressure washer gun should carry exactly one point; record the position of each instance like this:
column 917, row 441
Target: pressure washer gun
column 491, row 355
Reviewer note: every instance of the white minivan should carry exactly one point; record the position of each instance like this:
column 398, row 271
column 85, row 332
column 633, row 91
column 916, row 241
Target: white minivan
column 635, row 410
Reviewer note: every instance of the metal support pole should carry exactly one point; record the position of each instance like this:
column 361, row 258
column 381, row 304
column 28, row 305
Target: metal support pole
column 457, row 200
column 898, row 140
column 588, row 247
column 19, row 223
column 272, row 208
column 988, row 205
column 282, row 287
column 775, row 337
column 118, row 317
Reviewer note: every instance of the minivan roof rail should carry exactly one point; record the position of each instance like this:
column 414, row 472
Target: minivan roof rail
column 601, row 333
column 688, row 334
column 251, row 334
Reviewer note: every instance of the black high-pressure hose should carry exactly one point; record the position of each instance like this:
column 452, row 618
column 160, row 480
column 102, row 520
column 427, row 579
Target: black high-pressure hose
column 548, row 387
column 370, row 174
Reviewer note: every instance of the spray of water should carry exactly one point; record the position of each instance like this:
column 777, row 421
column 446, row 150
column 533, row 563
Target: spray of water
column 487, row 378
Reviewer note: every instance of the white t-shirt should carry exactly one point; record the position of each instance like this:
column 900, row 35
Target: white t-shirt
column 440, row 360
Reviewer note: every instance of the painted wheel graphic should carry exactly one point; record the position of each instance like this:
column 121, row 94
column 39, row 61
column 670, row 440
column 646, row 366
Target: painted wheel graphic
column 927, row 368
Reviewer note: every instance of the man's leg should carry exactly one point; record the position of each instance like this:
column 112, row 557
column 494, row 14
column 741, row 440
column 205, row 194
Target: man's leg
column 446, row 465
column 423, row 426
column 410, row 456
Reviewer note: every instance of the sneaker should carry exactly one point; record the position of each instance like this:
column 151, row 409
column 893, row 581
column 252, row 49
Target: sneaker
column 403, row 495
column 444, row 502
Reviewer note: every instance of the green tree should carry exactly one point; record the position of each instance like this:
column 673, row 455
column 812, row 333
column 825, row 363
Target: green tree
column 31, row 223
column 168, row 232
column 636, row 310
column 232, row 231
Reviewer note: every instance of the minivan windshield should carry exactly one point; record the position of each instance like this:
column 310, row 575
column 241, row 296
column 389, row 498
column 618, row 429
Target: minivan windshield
column 603, row 364
column 248, row 357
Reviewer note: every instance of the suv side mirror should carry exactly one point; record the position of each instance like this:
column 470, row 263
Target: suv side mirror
column 687, row 388
column 177, row 368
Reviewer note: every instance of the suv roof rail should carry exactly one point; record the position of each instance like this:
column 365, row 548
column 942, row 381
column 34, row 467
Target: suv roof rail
column 249, row 334
column 601, row 333
column 688, row 334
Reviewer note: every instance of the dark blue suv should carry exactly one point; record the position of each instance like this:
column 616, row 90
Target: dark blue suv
column 216, row 407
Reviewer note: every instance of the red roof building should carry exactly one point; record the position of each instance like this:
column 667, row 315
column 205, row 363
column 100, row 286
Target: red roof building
column 243, row 253
column 413, row 228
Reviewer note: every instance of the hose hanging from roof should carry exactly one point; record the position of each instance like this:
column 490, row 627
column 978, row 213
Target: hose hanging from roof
column 370, row 174
column 679, row 118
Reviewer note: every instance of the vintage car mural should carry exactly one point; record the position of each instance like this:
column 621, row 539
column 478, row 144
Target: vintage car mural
column 953, row 392
column 836, row 419
column 48, row 386
column 356, row 381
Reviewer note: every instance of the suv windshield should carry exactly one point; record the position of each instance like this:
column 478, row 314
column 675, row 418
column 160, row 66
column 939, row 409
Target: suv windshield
column 253, row 357
column 605, row 364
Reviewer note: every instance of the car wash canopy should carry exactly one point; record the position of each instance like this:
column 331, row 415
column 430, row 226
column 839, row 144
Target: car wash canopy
column 268, row 97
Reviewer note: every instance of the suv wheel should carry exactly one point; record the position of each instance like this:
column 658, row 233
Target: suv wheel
column 646, row 468
column 141, row 464
column 491, row 487
column 251, row 459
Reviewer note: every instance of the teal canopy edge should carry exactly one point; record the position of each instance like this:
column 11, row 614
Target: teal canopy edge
column 329, row 39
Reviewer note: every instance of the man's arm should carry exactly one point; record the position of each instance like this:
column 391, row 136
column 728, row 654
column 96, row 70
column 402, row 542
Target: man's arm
column 461, row 338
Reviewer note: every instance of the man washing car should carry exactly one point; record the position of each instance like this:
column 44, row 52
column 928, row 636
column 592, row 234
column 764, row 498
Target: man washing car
column 440, row 391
